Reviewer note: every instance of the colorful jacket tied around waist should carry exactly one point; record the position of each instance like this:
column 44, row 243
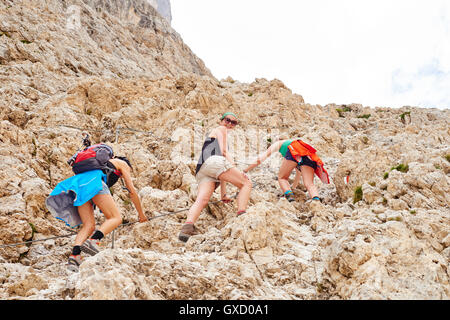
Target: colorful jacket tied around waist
column 69, row 194
column 299, row 148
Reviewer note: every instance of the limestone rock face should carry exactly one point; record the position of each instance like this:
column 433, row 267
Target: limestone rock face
column 126, row 78
column 47, row 48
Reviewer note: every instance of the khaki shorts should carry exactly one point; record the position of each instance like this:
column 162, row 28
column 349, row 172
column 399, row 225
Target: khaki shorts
column 213, row 167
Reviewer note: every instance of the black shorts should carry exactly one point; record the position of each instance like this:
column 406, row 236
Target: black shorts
column 305, row 161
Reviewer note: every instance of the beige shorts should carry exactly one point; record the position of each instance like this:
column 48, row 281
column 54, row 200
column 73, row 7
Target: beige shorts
column 213, row 167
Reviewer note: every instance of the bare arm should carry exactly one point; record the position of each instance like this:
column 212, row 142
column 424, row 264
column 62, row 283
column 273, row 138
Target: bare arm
column 296, row 179
column 126, row 175
column 223, row 188
column 262, row 157
column 221, row 135
column 223, row 192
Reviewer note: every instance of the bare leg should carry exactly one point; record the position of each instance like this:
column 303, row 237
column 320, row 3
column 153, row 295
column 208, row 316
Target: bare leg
column 308, row 180
column 238, row 179
column 106, row 204
column 205, row 191
column 283, row 175
column 86, row 212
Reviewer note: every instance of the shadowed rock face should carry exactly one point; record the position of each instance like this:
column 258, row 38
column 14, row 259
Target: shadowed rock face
column 117, row 70
column 72, row 39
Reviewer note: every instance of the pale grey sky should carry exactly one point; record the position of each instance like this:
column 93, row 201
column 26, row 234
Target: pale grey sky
column 388, row 53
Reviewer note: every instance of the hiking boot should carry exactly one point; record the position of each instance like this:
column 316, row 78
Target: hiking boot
column 90, row 246
column 73, row 264
column 290, row 197
column 187, row 230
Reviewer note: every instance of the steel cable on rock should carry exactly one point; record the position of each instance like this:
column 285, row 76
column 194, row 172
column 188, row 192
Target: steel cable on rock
column 39, row 240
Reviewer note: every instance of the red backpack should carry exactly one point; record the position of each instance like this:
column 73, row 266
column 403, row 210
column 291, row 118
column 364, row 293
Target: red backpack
column 92, row 158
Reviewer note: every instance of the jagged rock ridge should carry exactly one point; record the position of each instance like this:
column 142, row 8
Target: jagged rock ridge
column 128, row 80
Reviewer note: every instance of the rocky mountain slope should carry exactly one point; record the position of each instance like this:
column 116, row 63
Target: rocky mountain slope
column 125, row 77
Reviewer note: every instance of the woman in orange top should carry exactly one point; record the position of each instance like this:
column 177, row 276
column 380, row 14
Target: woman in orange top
column 297, row 154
